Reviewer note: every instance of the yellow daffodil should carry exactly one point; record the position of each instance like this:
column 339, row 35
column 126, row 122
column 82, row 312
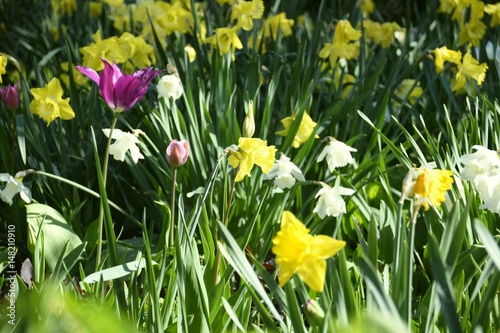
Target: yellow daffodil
column 472, row 32
column 78, row 77
column 367, row 6
column 48, row 103
column 442, row 54
column 409, row 90
column 494, row 11
column 277, row 22
column 191, row 52
column 3, row 64
column 381, row 33
column 305, row 130
column 429, row 185
column 298, row 252
column 343, row 45
column 225, row 39
column 111, row 49
column 67, row 7
column 114, row 3
column 446, row 6
column 468, row 69
column 251, row 151
column 141, row 53
column 246, row 11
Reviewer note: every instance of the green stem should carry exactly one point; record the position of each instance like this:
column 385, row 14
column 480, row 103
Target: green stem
column 172, row 209
column 397, row 248
column 101, row 209
column 410, row 270
column 226, row 217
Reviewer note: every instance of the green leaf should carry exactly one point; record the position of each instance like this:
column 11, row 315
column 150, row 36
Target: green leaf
column 56, row 232
column 116, row 272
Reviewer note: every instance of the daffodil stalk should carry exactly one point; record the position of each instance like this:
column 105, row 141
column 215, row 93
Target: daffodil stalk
column 105, row 174
column 226, row 218
column 410, row 269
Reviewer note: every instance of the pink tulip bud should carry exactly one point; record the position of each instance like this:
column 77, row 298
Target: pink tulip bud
column 177, row 152
column 10, row 96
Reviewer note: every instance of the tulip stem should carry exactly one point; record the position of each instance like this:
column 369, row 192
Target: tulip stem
column 105, row 174
column 172, row 208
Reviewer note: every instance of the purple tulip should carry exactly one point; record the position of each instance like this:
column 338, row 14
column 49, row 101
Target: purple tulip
column 10, row 96
column 177, row 152
column 120, row 91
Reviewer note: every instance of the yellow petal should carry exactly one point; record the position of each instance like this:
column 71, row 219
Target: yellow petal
column 325, row 246
column 312, row 272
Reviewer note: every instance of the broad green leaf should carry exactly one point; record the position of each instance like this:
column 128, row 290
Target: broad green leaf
column 56, row 232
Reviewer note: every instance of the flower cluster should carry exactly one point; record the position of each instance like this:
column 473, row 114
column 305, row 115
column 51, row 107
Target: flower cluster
column 345, row 44
column 482, row 169
column 126, row 49
column 467, row 67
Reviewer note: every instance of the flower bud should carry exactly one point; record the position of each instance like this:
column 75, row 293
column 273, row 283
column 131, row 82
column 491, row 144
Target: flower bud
column 314, row 313
column 10, row 96
column 177, row 152
column 249, row 122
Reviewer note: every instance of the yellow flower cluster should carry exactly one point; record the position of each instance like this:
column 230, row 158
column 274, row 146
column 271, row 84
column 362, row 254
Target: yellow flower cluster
column 245, row 12
column 380, row 33
column 226, row 39
column 60, row 7
column 344, row 45
column 121, row 49
column 466, row 67
column 473, row 30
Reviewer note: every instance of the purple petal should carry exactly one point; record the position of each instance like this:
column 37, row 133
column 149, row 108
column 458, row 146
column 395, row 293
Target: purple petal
column 106, row 87
column 90, row 73
column 127, row 91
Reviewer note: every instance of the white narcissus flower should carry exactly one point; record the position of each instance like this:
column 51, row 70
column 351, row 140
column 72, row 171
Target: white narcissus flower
column 489, row 191
column 285, row 173
column 170, row 86
column 13, row 187
column 482, row 162
column 330, row 202
column 337, row 154
column 124, row 142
